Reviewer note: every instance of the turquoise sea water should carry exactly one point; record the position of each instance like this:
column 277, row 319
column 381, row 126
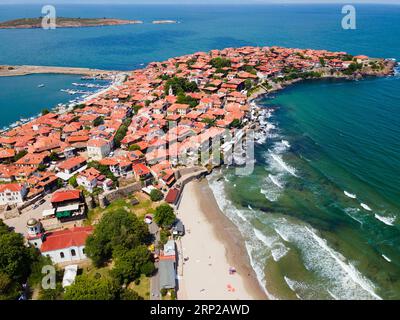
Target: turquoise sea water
column 20, row 97
column 305, row 237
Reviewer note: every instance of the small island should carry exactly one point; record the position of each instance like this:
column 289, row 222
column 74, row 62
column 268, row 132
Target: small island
column 62, row 22
column 164, row 22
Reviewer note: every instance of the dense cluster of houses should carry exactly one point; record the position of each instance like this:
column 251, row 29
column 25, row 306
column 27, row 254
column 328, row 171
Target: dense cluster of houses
column 141, row 128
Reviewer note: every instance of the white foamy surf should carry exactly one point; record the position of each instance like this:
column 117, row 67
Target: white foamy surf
column 275, row 181
column 283, row 165
column 386, row 220
column 366, row 207
column 340, row 276
column 350, row 195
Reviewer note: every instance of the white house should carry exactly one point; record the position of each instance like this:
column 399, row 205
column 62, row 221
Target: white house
column 12, row 193
column 66, row 245
column 92, row 178
column 98, row 148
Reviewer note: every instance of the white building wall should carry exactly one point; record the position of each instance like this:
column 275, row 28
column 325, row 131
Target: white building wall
column 8, row 197
column 56, row 256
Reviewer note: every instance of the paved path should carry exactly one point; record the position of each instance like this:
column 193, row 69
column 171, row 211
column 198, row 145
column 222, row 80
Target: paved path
column 155, row 279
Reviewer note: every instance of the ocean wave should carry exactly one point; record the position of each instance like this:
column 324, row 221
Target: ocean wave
column 254, row 246
column 352, row 213
column 386, row 220
column 284, row 165
column 350, row 195
column 275, row 181
column 343, row 279
column 366, row 207
column 295, row 286
column 279, row 251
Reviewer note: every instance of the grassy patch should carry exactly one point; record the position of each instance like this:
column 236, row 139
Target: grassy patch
column 143, row 288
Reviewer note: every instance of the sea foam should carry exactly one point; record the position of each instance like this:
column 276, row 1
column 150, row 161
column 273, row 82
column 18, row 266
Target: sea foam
column 386, row 220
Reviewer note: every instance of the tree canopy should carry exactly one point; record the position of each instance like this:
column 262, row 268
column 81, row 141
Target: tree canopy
column 220, row 63
column 164, row 215
column 90, row 288
column 16, row 261
column 129, row 265
column 180, row 85
column 118, row 230
column 184, row 99
column 156, row 195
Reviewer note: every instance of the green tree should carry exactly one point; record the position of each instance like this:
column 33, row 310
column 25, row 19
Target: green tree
column 248, row 84
column 131, row 264
column 90, row 288
column 98, row 121
column 180, row 85
column 184, row 99
column 20, row 155
column 128, row 294
column 104, row 170
column 72, row 181
column 235, row 123
column 45, row 111
column 134, row 147
column 121, row 133
column 16, row 261
column 53, row 156
column 117, row 231
column 52, row 294
column 220, row 63
column 136, row 108
column 156, row 195
column 42, row 167
column 164, row 215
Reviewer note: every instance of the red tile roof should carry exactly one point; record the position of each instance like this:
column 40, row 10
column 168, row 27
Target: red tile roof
column 71, row 163
column 66, row 195
column 66, row 238
column 13, row 187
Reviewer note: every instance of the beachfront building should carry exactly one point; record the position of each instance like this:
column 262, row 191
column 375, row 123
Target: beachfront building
column 98, row 148
column 68, row 205
column 12, row 193
column 167, row 266
column 66, row 246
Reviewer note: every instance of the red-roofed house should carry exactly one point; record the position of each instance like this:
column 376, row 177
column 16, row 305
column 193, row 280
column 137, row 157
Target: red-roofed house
column 66, row 245
column 142, row 173
column 98, row 148
column 12, row 193
column 68, row 205
column 71, row 165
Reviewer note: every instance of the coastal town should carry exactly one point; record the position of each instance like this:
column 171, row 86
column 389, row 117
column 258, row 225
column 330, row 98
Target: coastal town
column 131, row 150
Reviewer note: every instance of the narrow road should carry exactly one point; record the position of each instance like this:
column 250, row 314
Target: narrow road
column 155, row 279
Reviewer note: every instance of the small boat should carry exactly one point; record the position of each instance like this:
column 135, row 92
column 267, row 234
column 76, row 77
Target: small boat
column 41, row 85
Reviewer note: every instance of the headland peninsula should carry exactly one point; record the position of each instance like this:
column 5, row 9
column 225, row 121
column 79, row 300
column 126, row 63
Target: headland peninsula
column 146, row 133
column 63, row 22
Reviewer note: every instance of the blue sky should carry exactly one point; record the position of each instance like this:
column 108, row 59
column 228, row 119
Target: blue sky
column 192, row 1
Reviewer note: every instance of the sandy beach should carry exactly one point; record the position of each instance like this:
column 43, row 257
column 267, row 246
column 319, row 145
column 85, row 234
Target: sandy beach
column 213, row 245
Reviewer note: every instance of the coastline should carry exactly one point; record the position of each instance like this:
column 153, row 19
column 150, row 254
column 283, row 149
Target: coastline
column 22, row 70
column 209, row 234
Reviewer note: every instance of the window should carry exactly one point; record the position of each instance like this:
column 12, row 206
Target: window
column 62, row 255
column 73, row 253
column 83, row 250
